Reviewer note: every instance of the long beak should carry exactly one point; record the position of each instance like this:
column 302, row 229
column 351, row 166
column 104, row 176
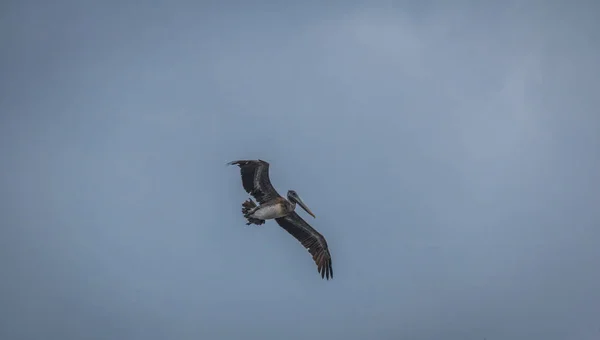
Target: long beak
column 305, row 207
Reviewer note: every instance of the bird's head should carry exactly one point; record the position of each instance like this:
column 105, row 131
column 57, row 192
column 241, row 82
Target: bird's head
column 293, row 197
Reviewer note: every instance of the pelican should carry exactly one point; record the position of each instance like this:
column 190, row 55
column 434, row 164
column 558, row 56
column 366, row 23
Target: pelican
column 271, row 205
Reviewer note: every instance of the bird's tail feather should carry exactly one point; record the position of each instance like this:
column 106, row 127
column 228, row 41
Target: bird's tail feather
column 246, row 207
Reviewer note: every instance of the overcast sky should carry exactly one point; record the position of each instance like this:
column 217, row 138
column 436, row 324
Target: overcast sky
column 450, row 151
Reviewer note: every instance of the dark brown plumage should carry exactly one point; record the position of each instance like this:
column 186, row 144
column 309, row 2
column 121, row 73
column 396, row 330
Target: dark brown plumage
column 311, row 239
column 256, row 182
column 246, row 207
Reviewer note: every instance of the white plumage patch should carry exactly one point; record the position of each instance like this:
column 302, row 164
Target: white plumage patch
column 268, row 212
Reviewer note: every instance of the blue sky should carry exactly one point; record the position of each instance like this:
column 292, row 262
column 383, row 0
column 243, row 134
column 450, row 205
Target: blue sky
column 449, row 151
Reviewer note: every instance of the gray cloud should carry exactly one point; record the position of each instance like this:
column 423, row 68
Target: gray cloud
column 449, row 152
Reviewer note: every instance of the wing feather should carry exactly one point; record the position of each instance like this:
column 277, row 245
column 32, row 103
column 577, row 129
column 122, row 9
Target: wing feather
column 311, row 239
column 255, row 179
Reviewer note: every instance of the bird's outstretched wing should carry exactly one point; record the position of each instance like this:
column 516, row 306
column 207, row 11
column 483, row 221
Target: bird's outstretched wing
column 255, row 179
column 311, row 240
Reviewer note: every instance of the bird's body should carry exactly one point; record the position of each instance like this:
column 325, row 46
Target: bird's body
column 274, row 208
column 271, row 205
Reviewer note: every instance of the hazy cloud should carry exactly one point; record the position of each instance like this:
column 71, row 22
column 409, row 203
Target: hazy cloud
column 449, row 152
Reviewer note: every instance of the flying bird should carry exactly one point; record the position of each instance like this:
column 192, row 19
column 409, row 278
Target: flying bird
column 271, row 205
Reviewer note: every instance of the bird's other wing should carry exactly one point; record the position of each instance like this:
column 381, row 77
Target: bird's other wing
column 255, row 179
column 311, row 240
